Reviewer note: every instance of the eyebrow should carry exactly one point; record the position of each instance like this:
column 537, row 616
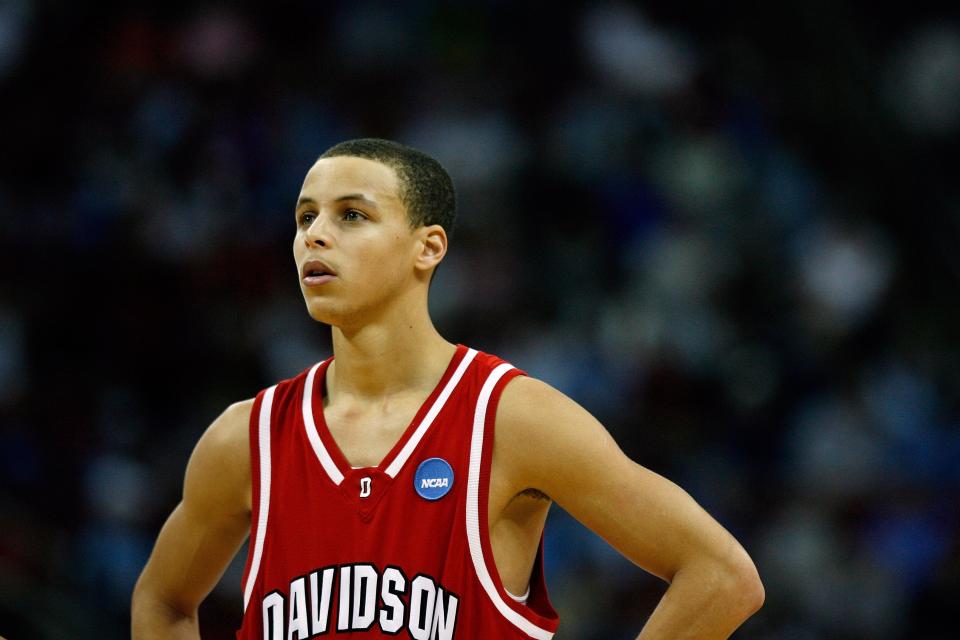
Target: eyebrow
column 350, row 196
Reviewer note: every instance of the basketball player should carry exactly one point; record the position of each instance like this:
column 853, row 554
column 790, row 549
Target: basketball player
column 401, row 486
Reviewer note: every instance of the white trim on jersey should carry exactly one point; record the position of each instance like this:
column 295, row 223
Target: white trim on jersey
column 394, row 468
column 322, row 454
column 521, row 599
column 473, row 511
column 428, row 419
column 266, row 406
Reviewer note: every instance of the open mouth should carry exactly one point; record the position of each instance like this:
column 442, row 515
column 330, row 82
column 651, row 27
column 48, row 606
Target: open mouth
column 316, row 272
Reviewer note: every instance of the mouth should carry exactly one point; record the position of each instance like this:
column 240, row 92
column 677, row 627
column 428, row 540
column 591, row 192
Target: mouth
column 316, row 272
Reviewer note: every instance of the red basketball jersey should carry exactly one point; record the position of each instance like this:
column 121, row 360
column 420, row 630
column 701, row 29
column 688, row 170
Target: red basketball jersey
column 401, row 548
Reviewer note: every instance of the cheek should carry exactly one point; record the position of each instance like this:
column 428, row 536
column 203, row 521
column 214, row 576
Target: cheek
column 384, row 250
column 297, row 246
column 386, row 263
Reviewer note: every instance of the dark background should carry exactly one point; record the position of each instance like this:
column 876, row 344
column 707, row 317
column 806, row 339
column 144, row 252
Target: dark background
column 729, row 231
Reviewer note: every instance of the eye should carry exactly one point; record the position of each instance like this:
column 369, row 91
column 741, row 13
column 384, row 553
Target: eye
column 352, row 215
column 306, row 218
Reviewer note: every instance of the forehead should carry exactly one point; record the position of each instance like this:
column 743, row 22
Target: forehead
column 330, row 178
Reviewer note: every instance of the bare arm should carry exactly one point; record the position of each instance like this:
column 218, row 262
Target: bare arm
column 714, row 585
column 201, row 536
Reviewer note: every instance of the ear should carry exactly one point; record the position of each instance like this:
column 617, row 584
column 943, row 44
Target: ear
column 432, row 247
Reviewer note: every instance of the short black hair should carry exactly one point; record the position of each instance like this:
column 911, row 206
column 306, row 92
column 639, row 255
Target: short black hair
column 425, row 186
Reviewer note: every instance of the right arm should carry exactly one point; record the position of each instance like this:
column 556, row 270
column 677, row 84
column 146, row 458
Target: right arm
column 201, row 536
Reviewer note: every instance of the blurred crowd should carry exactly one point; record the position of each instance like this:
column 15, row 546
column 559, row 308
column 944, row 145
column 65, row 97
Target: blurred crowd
column 728, row 231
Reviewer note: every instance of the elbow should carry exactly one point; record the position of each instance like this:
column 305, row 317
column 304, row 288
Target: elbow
column 137, row 598
column 744, row 586
column 143, row 597
column 150, row 610
column 754, row 593
column 143, row 608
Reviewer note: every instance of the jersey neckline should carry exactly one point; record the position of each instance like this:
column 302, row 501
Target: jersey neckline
column 328, row 451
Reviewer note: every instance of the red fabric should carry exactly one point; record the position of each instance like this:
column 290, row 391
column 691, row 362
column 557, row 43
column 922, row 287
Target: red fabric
column 314, row 525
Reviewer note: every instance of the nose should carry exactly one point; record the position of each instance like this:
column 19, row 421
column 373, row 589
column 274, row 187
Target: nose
column 317, row 234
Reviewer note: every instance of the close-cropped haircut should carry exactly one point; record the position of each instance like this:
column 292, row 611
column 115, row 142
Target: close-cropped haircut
column 425, row 186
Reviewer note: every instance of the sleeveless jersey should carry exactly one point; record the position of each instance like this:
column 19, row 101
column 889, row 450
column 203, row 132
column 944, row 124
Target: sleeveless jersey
column 402, row 548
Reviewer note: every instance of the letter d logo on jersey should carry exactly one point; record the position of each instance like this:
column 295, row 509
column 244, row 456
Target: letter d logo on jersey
column 433, row 479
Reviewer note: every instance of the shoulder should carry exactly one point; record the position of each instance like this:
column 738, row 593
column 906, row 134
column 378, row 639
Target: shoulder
column 524, row 400
column 545, row 439
column 229, row 432
column 528, row 406
column 218, row 473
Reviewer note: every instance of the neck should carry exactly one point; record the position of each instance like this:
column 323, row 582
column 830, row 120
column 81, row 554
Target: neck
column 397, row 352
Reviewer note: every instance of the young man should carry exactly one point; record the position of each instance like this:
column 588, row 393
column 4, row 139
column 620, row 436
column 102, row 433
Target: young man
column 376, row 497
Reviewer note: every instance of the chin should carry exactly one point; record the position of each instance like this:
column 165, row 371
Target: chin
column 327, row 313
column 321, row 313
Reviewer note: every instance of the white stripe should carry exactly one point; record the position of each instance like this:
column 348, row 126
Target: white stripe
column 473, row 511
column 417, row 436
column 521, row 599
column 264, row 507
column 322, row 454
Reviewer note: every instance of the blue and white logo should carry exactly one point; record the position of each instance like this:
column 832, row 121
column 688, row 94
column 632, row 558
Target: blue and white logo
column 433, row 479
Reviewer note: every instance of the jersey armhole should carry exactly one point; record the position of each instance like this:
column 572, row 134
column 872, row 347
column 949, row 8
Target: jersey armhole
column 540, row 620
column 253, row 444
column 260, row 472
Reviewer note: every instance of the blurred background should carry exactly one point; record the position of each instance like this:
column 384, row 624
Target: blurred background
column 729, row 231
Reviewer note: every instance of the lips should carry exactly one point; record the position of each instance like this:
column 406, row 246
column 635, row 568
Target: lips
column 317, row 272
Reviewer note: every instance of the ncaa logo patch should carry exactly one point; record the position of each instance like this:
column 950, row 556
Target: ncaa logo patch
column 433, row 479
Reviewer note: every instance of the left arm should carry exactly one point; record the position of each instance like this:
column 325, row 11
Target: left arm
column 546, row 441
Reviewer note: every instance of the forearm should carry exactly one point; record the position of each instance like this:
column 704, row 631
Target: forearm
column 152, row 619
column 707, row 602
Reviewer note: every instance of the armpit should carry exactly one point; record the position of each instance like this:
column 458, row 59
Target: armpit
column 534, row 494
